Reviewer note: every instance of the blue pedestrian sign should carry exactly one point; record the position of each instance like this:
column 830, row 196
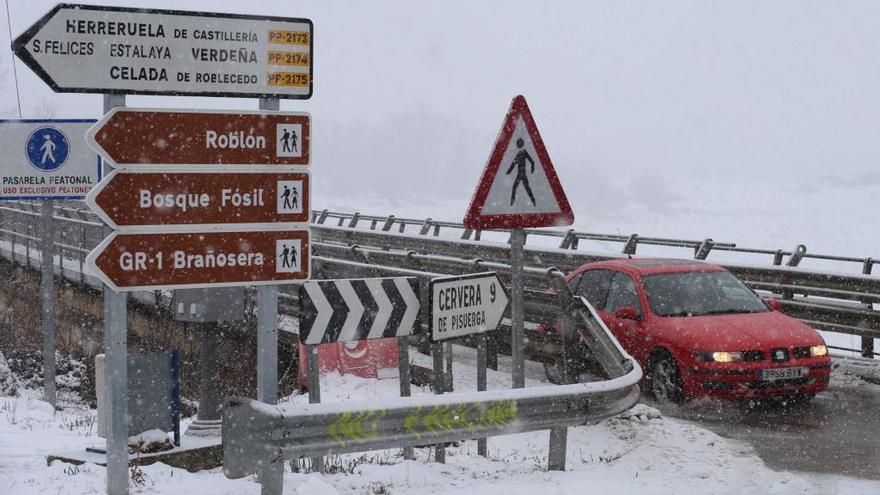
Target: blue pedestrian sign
column 47, row 159
column 47, row 149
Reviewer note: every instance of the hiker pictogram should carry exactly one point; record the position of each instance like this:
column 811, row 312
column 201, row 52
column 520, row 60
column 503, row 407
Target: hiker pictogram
column 288, row 253
column 288, row 256
column 288, row 140
column 290, row 196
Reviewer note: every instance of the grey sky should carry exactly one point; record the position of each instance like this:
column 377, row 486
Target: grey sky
column 627, row 95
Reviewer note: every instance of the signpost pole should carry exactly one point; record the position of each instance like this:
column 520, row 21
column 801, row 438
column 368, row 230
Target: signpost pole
column 116, row 379
column 314, row 394
column 272, row 477
column 403, row 375
column 439, row 383
column 482, row 448
column 47, row 259
column 517, row 341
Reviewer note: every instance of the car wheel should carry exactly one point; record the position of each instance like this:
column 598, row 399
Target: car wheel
column 664, row 380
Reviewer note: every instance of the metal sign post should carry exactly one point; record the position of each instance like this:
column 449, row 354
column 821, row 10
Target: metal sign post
column 272, row 477
column 518, row 189
column 482, row 447
column 116, row 379
column 517, row 313
column 439, row 385
column 47, row 286
column 314, row 394
column 467, row 305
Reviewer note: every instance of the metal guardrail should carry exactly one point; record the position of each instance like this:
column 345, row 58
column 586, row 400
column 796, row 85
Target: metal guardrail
column 364, row 245
column 258, row 436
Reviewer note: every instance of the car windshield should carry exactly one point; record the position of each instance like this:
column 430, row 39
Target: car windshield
column 700, row 294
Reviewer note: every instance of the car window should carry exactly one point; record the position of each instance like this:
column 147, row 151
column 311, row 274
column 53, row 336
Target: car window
column 622, row 294
column 594, row 286
column 573, row 283
column 700, row 294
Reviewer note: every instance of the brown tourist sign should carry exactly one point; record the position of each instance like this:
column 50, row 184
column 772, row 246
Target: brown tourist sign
column 152, row 199
column 138, row 261
column 128, row 137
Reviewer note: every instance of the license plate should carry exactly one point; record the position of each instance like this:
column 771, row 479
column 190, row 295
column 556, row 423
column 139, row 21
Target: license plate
column 771, row 374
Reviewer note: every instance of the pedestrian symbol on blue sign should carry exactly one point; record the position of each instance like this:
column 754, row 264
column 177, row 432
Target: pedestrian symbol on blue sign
column 47, row 149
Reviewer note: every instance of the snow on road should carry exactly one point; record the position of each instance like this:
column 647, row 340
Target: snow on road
column 639, row 452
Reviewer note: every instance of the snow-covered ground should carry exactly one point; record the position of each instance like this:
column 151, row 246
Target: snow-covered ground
column 639, row 452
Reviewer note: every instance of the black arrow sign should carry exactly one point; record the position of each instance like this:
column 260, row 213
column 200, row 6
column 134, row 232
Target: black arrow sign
column 350, row 310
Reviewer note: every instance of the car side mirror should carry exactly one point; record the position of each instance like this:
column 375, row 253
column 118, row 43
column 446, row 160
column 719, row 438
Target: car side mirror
column 627, row 313
column 775, row 304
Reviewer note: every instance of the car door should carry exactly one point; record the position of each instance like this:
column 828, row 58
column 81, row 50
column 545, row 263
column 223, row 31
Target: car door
column 623, row 294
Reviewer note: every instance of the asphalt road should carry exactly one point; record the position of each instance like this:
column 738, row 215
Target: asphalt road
column 837, row 433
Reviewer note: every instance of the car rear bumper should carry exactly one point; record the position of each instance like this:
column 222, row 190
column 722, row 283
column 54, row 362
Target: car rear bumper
column 744, row 381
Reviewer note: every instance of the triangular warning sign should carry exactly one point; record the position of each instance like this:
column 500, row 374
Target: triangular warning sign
column 519, row 187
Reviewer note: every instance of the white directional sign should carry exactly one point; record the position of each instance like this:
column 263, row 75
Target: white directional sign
column 46, row 159
column 466, row 305
column 94, row 49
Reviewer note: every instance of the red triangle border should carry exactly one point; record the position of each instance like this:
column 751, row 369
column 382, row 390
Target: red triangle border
column 474, row 219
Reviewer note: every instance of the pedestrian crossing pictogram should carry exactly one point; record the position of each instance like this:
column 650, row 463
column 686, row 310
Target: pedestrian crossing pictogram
column 519, row 187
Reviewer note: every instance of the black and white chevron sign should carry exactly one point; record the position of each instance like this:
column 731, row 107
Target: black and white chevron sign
column 357, row 309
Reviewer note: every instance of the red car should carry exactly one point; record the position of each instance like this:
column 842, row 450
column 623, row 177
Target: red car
column 698, row 331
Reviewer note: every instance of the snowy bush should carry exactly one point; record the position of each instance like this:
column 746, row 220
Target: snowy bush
column 8, row 386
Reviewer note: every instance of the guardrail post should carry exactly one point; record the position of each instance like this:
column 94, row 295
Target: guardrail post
column 354, row 220
column 82, row 256
column 323, row 217
column 631, row 244
column 777, row 257
column 389, row 222
column 702, row 251
column 426, row 226
column 867, row 341
column 466, row 234
column 797, row 255
column 556, row 455
column 570, row 241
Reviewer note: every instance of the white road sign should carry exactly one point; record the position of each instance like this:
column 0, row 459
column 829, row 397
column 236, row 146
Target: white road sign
column 94, row 49
column 466, row 305
column 47, row 159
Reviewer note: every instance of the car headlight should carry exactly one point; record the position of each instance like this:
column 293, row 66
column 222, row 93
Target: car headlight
column 818, row 350
column 720, row 356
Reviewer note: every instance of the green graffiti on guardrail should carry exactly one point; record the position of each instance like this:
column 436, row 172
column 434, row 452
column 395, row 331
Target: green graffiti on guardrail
column 360, row 427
